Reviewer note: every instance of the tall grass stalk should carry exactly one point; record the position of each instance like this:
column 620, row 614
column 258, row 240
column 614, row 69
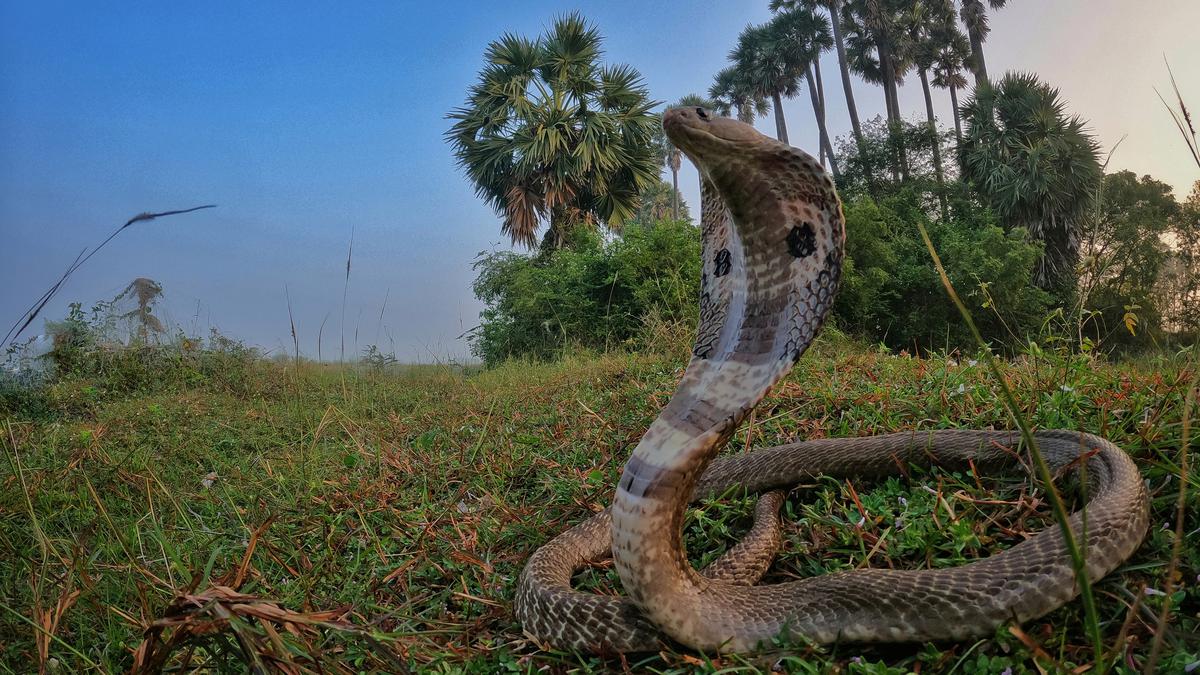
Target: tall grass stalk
column 1078, row 559
column 34, row 310
column 345, row 291
column 1189, row 401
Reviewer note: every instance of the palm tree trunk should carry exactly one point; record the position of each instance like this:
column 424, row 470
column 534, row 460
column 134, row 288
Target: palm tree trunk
column 979, row 67
column 957, row 117
column 780, row 124
column 819, row 113
column 835, row 21
column 674, row 191
column 937, row 150
column 745, row 113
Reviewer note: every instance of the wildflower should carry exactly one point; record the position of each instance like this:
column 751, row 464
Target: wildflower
column 1067, row 388
column 208, row 480
column 903, row 501
column 972, row 363
column 1153, row 591
column 1006, row 671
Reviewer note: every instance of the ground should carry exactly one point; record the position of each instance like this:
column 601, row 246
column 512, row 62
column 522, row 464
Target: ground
column 357, row 520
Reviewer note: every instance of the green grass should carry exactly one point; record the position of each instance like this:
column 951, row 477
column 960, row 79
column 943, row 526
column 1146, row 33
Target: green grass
column 406, row 503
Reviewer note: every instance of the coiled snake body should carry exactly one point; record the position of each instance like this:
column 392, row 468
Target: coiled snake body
column 772, row 230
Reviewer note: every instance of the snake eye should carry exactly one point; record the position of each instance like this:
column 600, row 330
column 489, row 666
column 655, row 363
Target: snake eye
column 702, row 113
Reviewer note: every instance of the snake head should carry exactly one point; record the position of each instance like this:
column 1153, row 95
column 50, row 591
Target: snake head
column 705, row 138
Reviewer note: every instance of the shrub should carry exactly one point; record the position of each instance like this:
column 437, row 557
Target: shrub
column 595, row 293
column 891, row 292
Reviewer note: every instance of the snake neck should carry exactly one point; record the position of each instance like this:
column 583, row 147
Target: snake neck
column 773, row 247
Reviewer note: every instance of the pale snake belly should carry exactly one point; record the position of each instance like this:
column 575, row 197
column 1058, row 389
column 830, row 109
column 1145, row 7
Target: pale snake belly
column 772, row 229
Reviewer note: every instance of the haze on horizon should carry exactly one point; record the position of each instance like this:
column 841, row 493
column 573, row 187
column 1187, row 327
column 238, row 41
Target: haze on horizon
column 305, row 125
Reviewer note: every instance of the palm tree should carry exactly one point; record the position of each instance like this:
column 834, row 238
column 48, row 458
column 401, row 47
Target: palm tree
column 931, row 25
column 974, row 16
column 876, row 46
column 878, row 50
column 834, row 8
column 772, row 66
column 548, row 133
column 672, row 158
column 807, row 33
column 1036, row 167
column 733, row 94
column 951, row 59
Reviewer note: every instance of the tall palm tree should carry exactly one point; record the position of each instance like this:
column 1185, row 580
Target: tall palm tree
column 671, row 156
column 772, row 66
column 806, row 34
column 878, row 49
column 549, row 134
column 1037, row 167
column 931, row 23
column 974, row 16
column 876, row 46
column 952, row 57
column 733, row 94
column 834, row 7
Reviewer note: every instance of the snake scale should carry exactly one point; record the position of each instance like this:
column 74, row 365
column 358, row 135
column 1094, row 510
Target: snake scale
column 773, row 234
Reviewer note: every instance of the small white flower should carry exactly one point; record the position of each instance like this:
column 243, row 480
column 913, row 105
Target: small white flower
column 903, row 501
column 1067, row 388
column 862, row 520
column 962, row 388
column 1153, row 591
column 972, row 363
column 208, row 480
column 1006, row 671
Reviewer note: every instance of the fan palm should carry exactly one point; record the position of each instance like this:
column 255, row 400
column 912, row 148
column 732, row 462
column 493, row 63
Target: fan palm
column 807, row 35
column 974, row 16
column 834, row 8
column 733, row 94
column 949, row 62
column 876, row 47
column 548, row 133
column 1037, row 167
column 670, row 155
column 931, row 24
column 771, row 65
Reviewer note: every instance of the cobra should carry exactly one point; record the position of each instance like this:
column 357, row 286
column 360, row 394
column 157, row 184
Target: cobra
column 773, row 234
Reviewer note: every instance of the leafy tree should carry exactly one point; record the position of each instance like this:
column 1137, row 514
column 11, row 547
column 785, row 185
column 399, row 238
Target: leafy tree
column 974, row 16
column 1037, row 167
column 548, row 133
column 1123, row 255
column 1180, row 282
column 872, row 167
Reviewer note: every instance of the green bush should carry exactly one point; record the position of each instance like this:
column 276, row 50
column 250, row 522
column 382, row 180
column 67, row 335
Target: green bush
column 891, row 292
column 595, row 293
column 84, row 353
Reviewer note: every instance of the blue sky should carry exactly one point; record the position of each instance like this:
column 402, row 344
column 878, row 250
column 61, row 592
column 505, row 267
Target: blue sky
column 307, row 121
